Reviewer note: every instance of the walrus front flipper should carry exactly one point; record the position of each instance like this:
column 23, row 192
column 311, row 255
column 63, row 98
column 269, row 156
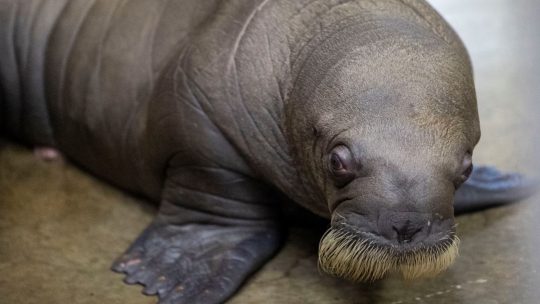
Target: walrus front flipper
column 214, row 228
column 196, row 263
column 488, row 187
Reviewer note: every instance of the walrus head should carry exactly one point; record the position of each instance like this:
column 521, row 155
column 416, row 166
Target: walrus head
column 383, row 130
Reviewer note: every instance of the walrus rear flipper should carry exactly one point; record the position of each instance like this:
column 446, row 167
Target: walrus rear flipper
column 489, row 187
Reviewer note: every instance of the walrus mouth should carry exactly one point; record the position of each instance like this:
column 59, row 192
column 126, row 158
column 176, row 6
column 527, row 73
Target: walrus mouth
column 359, row 257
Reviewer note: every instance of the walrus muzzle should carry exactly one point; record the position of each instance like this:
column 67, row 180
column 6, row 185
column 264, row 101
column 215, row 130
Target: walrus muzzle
column 359, row 257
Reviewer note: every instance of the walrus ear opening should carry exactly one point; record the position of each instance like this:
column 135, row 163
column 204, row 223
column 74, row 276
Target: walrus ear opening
column 316, row 132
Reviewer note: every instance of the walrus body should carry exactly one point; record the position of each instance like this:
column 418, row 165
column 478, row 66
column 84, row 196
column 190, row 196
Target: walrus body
column 221, row 109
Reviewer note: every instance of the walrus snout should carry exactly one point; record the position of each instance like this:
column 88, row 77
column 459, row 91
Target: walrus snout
column 401, row 229
column 368, row 246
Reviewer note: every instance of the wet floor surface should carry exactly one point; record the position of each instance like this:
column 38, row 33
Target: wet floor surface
column 61, row 228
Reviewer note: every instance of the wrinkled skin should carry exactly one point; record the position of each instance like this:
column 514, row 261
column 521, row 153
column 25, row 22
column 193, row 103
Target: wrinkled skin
column 223, row 111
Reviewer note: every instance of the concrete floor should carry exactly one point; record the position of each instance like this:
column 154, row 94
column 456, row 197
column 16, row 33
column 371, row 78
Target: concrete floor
column 61, row 228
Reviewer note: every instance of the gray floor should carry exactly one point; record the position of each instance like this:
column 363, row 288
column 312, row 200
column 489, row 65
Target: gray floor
column 60, row 228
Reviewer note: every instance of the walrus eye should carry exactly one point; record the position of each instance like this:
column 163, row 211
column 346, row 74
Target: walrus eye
column 336, row 163
column 341, row 165
column 466, row 173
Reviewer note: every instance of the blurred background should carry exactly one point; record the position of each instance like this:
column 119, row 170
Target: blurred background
column 60, row 228
column 503, row 40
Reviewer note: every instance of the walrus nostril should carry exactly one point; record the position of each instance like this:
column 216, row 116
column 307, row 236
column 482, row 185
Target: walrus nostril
column 403, row 227
column 406, row 233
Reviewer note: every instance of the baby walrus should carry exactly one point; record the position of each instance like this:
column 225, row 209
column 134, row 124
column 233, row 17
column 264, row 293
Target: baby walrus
column 362, row 111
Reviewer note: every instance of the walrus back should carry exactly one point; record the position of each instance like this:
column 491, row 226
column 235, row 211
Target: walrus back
column 23, row 107
column 79, row 75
